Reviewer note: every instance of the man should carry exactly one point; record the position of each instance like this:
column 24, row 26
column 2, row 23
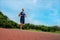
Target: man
column 22, row 18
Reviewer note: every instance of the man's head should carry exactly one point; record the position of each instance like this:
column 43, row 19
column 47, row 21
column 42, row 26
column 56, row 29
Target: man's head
column 22, row 9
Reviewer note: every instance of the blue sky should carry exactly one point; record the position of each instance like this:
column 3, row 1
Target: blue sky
column 43, row 12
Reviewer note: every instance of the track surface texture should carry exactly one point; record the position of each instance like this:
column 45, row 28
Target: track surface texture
column 14, row 34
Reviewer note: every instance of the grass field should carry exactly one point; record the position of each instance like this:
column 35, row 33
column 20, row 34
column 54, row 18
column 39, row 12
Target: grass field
column 57, row 32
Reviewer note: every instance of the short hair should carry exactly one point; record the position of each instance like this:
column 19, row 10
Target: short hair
column 22, row 9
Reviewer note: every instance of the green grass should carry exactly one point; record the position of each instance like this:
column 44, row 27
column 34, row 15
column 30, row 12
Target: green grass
column 34, row 30
column 57, row 32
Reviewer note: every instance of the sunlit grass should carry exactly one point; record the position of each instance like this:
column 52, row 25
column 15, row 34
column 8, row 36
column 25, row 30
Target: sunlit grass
column 57, row 32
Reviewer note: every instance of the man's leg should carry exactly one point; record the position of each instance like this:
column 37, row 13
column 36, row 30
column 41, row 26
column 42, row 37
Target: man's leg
column 21, row 26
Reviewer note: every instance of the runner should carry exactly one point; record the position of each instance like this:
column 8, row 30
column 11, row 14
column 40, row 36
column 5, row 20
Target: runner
column 22, row 16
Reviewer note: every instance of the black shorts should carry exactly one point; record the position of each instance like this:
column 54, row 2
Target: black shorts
column 22, row 20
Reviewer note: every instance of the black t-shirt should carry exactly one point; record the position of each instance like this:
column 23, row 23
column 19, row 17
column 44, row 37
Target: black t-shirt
column 22, row 15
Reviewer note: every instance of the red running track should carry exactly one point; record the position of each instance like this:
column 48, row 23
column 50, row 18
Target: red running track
column 14, row 34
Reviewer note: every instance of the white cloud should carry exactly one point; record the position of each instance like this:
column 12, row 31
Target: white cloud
column 13, row 4
column 16, row 5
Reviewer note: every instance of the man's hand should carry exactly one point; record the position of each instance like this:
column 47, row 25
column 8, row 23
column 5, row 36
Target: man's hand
column 18, row 14
column 25, row 15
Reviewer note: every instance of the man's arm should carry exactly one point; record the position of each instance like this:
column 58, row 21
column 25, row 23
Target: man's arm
column 19, row 14
column 25, row 15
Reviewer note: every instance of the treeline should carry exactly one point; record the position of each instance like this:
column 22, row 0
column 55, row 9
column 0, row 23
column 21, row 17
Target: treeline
column 42, row 27
column 5, row 22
